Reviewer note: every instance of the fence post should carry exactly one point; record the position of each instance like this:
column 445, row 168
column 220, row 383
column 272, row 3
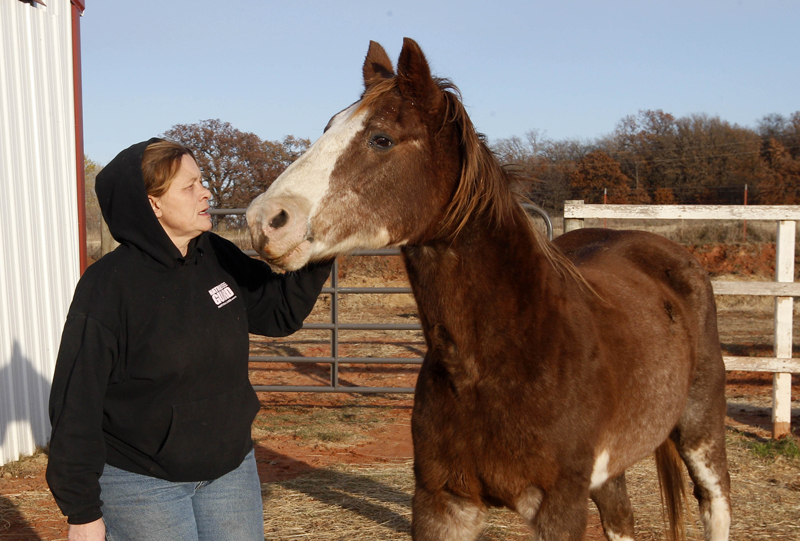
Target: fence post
column 335, row 322
column 573, row 223
column 782, row 383
column 744, row 228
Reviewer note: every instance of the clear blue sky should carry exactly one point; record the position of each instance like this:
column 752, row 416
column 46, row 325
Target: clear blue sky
column 570, row 69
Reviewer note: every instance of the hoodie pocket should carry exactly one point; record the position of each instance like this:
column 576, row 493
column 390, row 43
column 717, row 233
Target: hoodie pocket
column 209, row 438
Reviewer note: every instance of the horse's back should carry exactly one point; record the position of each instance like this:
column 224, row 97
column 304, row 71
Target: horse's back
column 592, row 246
column 619, row 255
column 655, row 269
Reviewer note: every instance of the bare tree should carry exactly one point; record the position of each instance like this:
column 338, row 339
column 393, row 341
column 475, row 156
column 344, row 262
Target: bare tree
column 236, row 165
column 598, row 173
column 272, row 159
column 543, row 165
column 94, row 218
column 780, row 180
column 782, row 129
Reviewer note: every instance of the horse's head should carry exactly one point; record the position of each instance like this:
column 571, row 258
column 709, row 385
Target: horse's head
column 386, row 171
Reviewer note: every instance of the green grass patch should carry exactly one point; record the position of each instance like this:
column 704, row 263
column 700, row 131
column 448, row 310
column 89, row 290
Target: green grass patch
column 786, row 447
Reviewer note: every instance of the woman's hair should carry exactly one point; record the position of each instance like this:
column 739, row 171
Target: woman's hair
column 160, row 163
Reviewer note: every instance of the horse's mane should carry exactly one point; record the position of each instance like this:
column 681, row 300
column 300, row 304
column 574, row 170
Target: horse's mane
column 485, row 186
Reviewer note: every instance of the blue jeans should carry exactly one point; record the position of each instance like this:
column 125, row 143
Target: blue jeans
column 141, row 508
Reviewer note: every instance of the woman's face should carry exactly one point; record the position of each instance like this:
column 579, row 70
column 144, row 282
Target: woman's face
column 183, row 209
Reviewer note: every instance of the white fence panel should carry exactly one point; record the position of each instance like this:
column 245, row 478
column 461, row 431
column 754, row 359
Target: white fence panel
column 39, row 256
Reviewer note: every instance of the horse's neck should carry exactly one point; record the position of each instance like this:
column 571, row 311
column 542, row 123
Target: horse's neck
column 489, row 275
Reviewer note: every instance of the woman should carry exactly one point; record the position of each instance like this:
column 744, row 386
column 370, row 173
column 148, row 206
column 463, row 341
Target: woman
column 151, row 405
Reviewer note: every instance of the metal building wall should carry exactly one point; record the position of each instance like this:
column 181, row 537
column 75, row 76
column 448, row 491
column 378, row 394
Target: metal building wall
column 39, row 252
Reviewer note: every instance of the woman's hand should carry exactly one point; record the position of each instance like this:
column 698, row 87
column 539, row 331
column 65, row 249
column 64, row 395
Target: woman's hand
column 93, row 531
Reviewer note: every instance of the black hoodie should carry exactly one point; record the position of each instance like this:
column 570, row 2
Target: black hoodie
column 152, row 372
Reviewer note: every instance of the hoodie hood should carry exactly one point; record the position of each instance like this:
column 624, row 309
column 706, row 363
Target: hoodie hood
column 126, row 209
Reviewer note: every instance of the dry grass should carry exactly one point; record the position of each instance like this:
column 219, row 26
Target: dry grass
column 331, row 427
column 28, row 512
column 373, row 502
column 25, row 466
column 346, row 502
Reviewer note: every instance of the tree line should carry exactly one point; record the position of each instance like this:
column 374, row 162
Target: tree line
column 655, row 158
column 236, row 165
column 650, row 158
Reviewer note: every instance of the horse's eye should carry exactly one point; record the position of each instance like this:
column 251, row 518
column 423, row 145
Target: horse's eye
column 381, row 141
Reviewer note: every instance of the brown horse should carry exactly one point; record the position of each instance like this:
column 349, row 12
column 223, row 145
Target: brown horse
column 550, row 367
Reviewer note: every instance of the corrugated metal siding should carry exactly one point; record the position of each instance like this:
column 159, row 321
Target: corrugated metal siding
column 39, row 256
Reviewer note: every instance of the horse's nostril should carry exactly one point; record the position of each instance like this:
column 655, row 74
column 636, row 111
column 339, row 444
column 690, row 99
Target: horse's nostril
column 279, row 220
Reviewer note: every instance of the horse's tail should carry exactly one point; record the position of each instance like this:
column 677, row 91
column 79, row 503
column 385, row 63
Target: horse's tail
column 673, row 488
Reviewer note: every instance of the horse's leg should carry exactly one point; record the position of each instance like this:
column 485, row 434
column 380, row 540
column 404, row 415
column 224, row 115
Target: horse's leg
column 706, row 461
column 443, row 516
column 615, row 509
column 700, row 439
column 562, row 514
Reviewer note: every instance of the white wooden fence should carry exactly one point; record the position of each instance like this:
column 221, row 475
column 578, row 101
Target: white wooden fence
column 782, row 365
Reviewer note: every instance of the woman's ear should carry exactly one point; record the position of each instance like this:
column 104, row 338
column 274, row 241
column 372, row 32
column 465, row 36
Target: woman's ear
column 155, row 204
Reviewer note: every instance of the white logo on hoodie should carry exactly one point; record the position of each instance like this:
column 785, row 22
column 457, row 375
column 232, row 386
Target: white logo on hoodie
column 222, row 294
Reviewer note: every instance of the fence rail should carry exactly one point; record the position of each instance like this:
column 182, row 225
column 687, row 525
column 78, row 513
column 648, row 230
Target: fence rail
column 335, row 360
column 576, row 210
column 782, row 365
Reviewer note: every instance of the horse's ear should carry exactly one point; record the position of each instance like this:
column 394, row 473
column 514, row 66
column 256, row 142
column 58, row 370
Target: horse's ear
column 377, row 65
column 414, row 74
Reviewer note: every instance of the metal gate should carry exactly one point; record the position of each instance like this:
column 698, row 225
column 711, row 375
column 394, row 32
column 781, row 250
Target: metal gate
column 335, row 360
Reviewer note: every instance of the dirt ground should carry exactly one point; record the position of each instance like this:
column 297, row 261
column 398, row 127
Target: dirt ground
column 338, row 466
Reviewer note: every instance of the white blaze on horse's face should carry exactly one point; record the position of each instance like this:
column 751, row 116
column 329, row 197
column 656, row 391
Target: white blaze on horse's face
column 281, row 218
